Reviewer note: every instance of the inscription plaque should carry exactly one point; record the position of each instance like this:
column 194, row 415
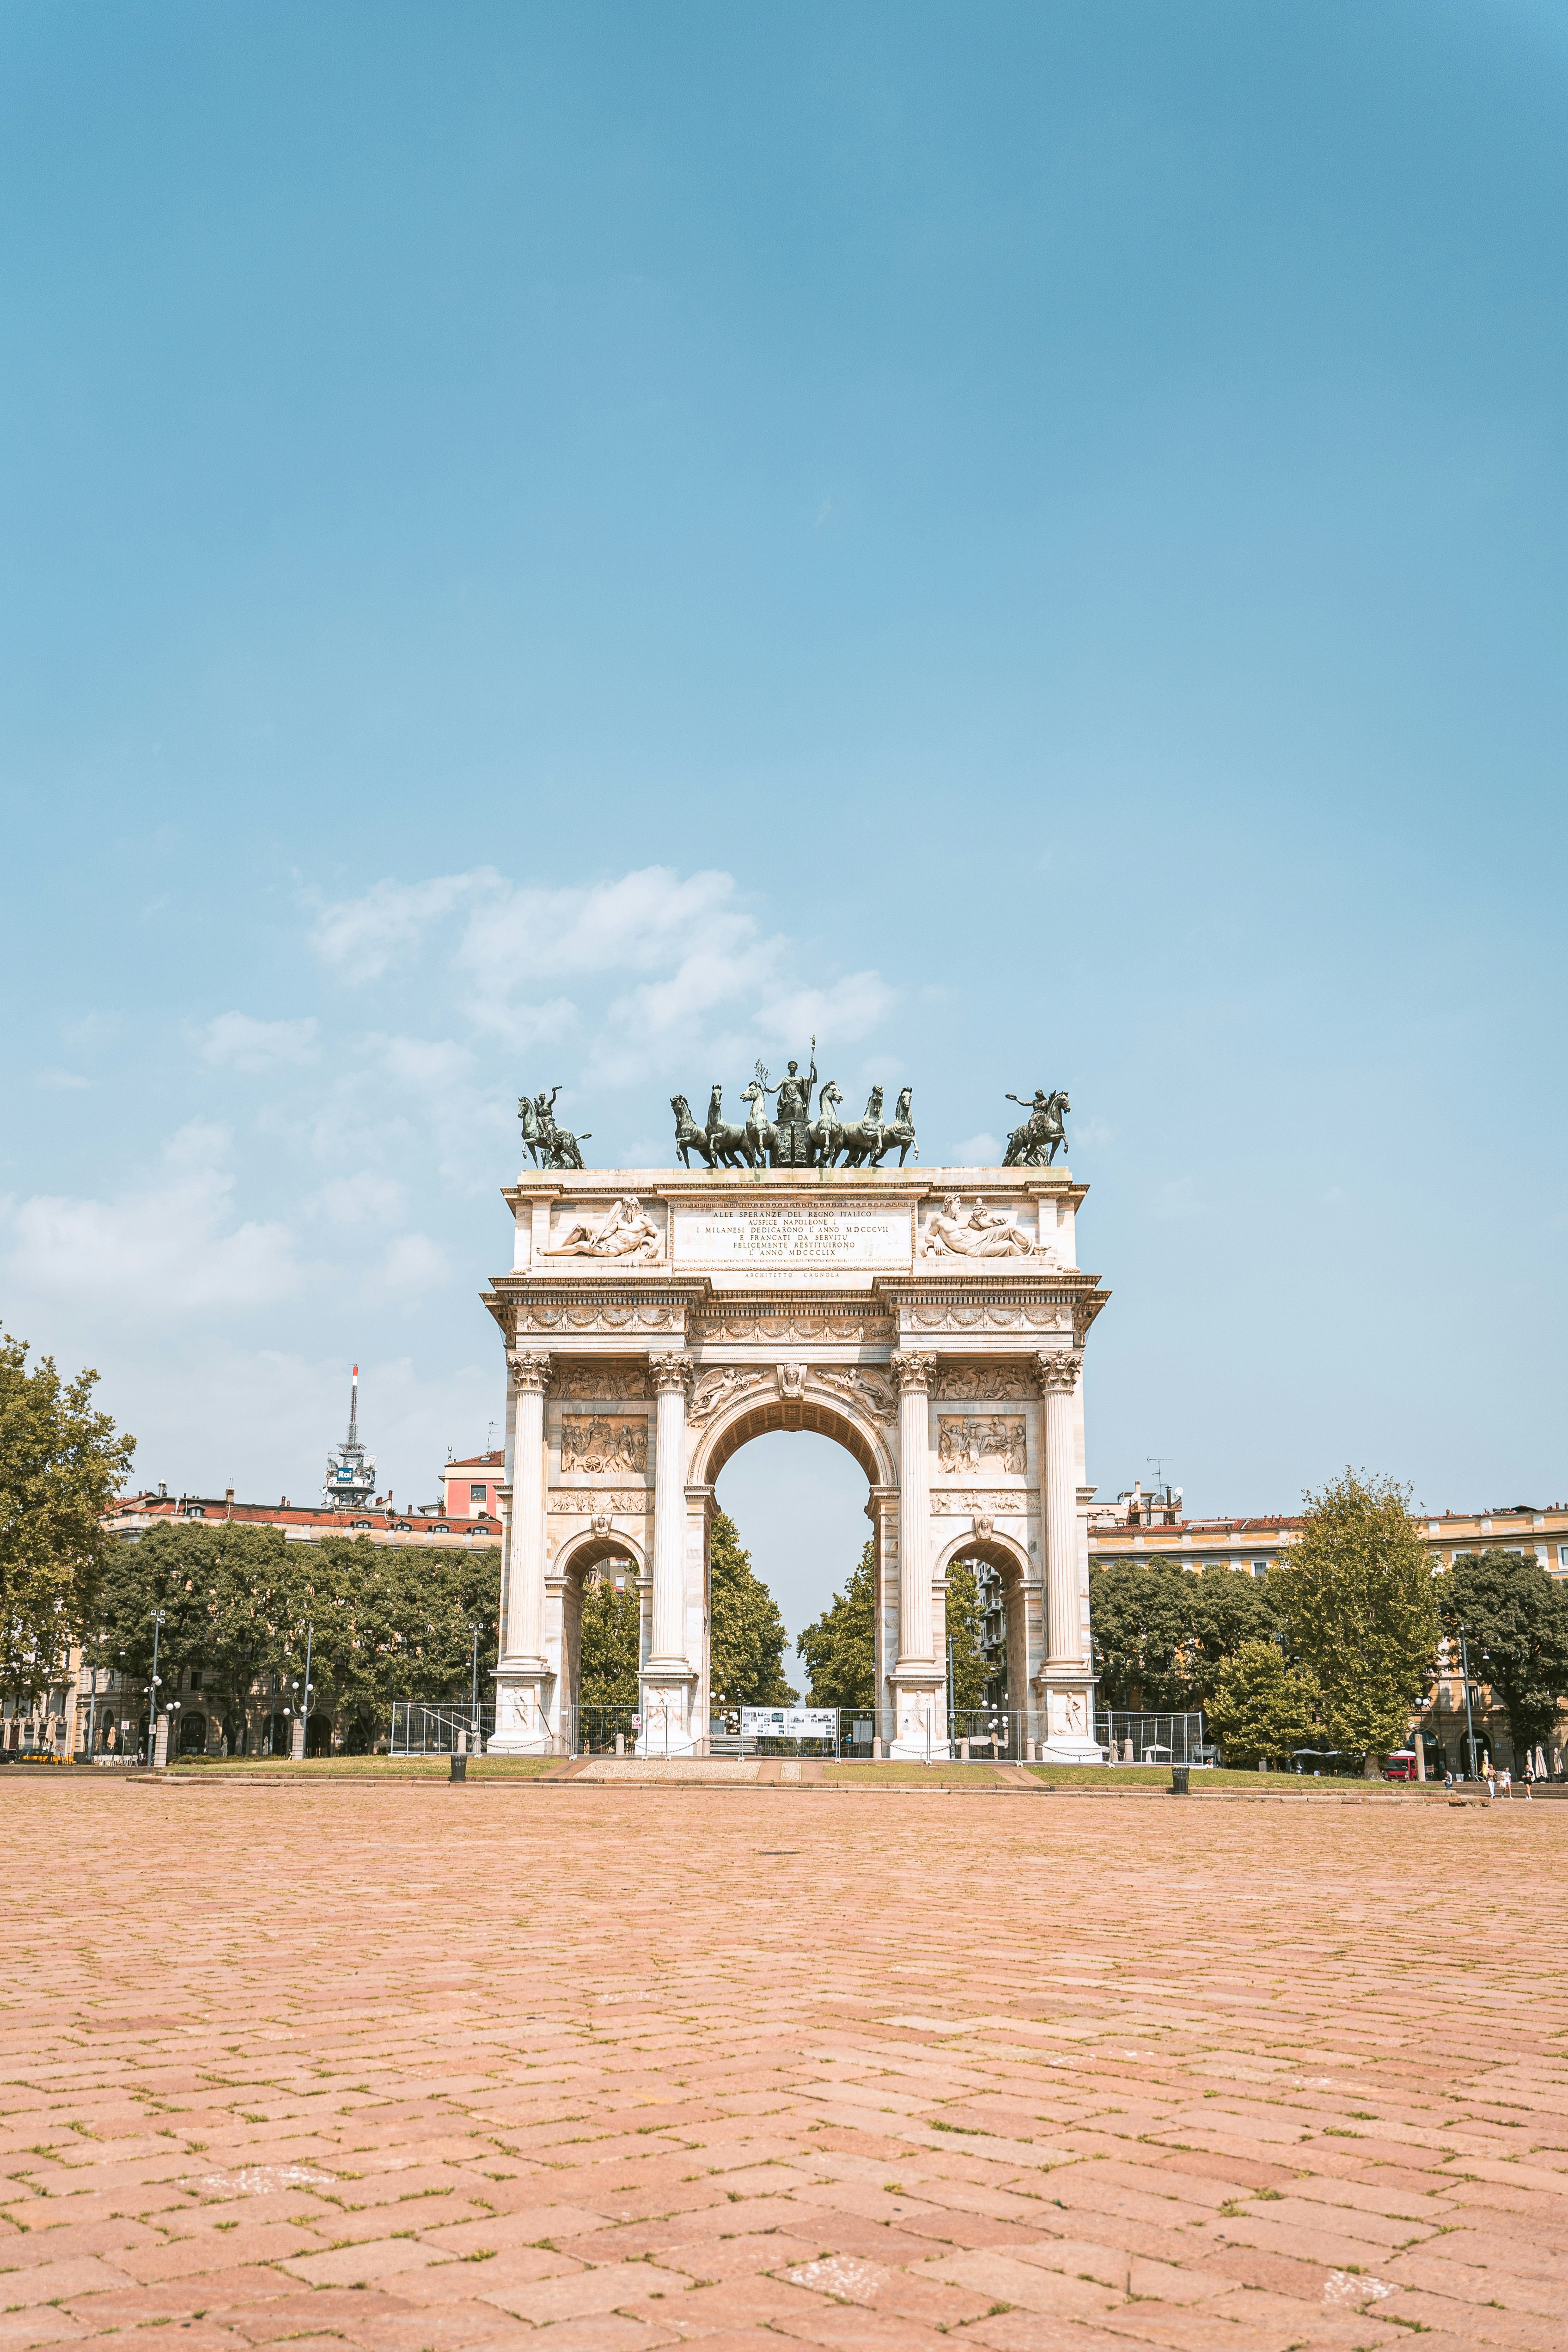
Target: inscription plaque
column 790, row 1235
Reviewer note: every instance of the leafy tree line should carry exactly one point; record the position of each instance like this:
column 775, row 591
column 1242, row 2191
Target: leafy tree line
column 61, row 1463
column 383, row 1623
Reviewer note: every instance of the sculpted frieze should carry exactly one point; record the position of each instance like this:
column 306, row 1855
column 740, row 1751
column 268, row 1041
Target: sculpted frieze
column 626, row 1377
column 873, row 1391
column 968, row 1440
column 714, row 1391
column 981, row 1233
column 600, row 1319
column 603, row 1443
column 1029, row 1317
column 627, row 1234
column 584, row 1505
column 983, row 1384
column 798, row 1329
column 992, row 1503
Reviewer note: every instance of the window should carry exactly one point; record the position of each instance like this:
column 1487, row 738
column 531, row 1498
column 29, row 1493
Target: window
column 196, row 1679
column 479, row 1494
column 195, row 1511
column 1260, row 1568
column 1563, row 1555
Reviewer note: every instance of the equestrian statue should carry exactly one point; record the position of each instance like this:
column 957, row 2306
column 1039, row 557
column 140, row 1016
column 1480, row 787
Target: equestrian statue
column 1043, row 1135
column 551, row 1146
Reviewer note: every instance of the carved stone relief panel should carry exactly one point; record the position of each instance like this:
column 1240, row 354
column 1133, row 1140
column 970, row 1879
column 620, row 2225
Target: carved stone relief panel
column 625, row 1377
column 712, row 1390
column 872, row 1392
column 988, row 1502
column 636, row 1505
column 966, row 1442
column 534, row 1318
column 604, row 1444
column 797, row 1330
column 1037, row 1316
column 983, row 1383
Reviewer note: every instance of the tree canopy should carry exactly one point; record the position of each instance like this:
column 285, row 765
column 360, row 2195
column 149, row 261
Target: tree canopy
column 1515, row 1619
column 383, row 1623
column 1261, row 1707
column 839, row 1647
column 61, row 1463
column 1163, row 1633
column 610, row 1655
column 1355, row 1591
column 745, row 1634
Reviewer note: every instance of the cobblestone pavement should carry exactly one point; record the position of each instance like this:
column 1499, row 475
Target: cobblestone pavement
column 611, row 2067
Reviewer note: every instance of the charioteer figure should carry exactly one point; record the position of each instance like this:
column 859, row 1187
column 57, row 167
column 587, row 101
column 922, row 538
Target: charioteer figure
column 792, row 1113
column 1043, row 1135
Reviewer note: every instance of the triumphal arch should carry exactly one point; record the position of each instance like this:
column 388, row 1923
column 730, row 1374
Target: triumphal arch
column 931, row 1320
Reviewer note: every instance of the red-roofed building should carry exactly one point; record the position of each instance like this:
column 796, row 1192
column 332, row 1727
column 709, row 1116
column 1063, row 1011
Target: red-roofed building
column 469, row 1485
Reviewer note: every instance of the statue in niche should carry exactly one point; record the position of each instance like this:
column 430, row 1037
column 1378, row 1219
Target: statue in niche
column 983, row 1233
column 627, row 1233
column 1043, row 1135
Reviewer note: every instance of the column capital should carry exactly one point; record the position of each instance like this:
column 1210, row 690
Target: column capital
column 528, row 1370
column 912, row 1368
column 672, row 1367
column 1058, row 1370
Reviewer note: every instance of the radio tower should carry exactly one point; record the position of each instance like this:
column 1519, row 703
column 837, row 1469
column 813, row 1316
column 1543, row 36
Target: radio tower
column 351, row 1471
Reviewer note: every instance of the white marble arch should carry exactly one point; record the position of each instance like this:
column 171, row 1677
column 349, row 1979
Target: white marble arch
column 836, row 1300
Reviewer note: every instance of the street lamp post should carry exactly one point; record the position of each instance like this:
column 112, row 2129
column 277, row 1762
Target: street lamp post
column 1469, row 1725
column 305, row 1697
column 153, row 1694
column 92, row 1700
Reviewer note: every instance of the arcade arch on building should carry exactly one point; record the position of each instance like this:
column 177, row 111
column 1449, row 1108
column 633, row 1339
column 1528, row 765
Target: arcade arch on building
column 931, row 1322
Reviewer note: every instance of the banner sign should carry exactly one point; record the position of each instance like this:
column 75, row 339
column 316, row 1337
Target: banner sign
column 789, row 1723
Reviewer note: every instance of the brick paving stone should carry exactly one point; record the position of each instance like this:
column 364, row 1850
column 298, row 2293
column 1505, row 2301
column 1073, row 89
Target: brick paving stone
column 658, row 2092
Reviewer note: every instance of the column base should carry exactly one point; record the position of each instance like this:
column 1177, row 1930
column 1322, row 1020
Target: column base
column 919, row 1713
column 669, row 1690
column 522, row 1722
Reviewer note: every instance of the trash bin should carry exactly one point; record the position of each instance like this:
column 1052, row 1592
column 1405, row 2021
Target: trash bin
column 460, row 1767
column 1178, row 1779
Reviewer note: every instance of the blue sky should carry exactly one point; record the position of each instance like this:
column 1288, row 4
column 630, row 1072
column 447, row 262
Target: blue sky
column 583, row 542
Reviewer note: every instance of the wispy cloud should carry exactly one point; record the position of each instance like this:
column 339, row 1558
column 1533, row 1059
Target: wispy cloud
column 240, row 1043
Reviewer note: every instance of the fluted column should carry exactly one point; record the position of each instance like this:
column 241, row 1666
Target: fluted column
column 913, row 1372
column 671, row 1375
column 1058, row 1374
column 525, row 1628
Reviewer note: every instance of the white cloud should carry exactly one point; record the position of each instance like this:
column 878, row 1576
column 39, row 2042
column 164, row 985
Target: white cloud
column 61, row 1081
column 234, row 1039
column 169, row 1249
column 356, row 1202
column 705, row 975
column 360, row 937
column 414, row 1263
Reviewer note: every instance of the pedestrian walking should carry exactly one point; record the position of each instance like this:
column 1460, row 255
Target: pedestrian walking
column 1488, row 1776
column 1507, row 1781
column 1449, row 1778
column 1529, row 1781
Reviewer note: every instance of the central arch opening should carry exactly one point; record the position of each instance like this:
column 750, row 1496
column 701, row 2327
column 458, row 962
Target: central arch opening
column 798, row 1499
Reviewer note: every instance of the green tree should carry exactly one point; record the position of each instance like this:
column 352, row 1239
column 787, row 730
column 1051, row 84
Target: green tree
column 379, row 1622
column 840, row 1646
column 1228, row 1609
column 964, row 1633
column 1142, row 1614
column 1355, row 1592
column 610, row 1653
column 745, row 1634
column 61, row 1462
column 1261, row 1707
column 1516, row 1627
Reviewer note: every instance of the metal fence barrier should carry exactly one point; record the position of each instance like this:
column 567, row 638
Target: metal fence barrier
column 440, row 1727
column 1136, row 1736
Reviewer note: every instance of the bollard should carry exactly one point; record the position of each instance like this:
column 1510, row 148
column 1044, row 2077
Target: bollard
column 1178, row 1779
column 620, row 1743
column 963, row 1752
column 460, row 1767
